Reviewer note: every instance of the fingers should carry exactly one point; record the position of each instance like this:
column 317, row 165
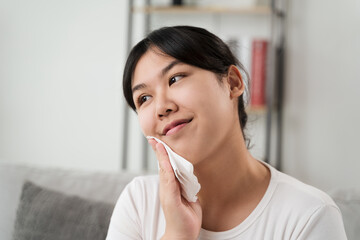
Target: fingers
column 161, row 155
column 197, row 208
column 152, row 143
column 183, row 218
column 166, row 174
column 163, row 158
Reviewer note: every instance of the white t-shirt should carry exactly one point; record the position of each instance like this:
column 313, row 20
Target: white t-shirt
column 289, row 209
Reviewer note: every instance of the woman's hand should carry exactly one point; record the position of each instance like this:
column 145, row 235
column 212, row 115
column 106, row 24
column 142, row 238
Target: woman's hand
column 183, row 218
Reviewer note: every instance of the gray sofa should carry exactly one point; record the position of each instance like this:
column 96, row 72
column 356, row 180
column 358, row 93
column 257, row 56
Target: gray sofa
column 62, row 204
column 57, row 204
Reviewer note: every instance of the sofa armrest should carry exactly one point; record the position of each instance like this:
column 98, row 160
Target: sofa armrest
column 348, row 200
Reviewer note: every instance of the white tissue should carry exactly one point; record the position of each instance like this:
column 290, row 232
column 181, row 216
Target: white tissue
column 184, row 172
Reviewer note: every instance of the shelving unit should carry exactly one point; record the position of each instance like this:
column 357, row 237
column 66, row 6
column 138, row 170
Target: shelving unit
column 274, row 81
column 201, row 10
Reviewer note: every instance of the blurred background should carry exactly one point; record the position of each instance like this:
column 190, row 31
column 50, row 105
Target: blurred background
column 61, row 63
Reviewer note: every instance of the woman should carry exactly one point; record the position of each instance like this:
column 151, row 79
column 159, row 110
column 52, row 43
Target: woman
column 187, row 89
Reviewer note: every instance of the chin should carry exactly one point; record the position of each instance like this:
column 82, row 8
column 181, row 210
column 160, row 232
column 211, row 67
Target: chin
column 191, row 154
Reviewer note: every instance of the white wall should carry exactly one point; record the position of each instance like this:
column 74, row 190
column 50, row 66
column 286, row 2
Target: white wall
column 60, row 87
column 60, row 82
column 61, row 68
column 322, row 100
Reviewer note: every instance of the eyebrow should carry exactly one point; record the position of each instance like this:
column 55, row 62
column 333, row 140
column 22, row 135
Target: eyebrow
column 163, row 72
column 168, row 67
column 138, row 87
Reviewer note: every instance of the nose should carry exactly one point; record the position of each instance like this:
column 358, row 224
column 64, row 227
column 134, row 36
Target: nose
column 165, row 106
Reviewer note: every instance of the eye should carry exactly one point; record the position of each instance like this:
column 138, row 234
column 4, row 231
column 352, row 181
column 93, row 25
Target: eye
column 142, row 99
column 174, row 79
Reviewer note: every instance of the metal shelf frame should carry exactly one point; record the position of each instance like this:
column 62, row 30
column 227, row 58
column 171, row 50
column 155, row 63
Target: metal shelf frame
column 275, row 75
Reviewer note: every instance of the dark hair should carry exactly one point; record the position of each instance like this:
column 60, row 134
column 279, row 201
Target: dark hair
column 191, row 45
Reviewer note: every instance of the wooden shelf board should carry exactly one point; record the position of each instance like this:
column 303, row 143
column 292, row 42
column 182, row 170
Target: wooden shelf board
column 264, row 10
column 256, row 110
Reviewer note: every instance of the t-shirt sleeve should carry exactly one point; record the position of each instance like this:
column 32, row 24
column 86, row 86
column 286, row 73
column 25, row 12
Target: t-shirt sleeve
column 325, row 223
column 125, row 222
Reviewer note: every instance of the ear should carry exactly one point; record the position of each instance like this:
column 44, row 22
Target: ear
column 235, row 81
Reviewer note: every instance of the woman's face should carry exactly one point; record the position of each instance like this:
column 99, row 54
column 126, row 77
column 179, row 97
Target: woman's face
column 184, row 106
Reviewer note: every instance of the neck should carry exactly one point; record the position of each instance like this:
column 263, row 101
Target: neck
column 229, row 176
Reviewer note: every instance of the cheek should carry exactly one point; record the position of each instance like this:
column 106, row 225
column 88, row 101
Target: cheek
column 146, row 122
column 205, row 97
column 191, row 95
column 213, row 100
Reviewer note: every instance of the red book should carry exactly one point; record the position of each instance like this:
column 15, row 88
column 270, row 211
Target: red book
column 258, row 73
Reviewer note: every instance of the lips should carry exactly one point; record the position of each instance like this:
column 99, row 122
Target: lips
column 175, row 124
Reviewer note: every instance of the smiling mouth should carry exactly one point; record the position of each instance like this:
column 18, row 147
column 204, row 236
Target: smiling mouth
column 175, row 126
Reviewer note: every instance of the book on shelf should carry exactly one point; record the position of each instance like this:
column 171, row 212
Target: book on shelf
column 258, row 73
column 252, row 54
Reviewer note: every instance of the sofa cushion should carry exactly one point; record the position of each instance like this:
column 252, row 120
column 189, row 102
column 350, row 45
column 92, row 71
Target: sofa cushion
column 92, row 185
column 48, row 214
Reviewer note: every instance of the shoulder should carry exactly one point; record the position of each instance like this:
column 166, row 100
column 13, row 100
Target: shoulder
column 132, row 208
column 143, row 183
column 140, row 187
column 310, row 212
column 300, row 193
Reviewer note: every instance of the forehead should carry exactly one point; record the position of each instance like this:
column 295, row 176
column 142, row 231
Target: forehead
column 151, row 64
